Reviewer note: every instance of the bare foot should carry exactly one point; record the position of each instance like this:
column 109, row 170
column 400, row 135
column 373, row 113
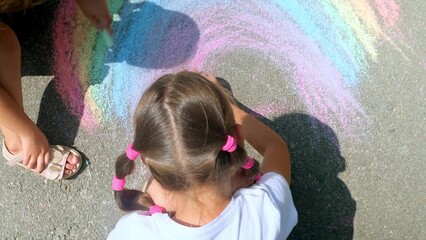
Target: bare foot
column 71, row 165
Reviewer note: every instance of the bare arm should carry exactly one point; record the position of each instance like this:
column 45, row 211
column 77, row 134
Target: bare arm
column 97, row 12
column 269, row 144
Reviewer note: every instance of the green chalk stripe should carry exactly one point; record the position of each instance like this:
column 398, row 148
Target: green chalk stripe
column 107, row 38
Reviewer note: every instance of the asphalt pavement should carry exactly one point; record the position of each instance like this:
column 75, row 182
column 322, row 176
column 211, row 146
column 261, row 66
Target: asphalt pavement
column 351, row 107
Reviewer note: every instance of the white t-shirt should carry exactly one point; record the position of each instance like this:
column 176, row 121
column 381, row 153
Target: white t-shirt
column 263, row 211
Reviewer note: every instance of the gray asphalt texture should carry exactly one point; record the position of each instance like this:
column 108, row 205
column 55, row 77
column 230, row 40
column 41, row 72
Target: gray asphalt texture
column 373, row 188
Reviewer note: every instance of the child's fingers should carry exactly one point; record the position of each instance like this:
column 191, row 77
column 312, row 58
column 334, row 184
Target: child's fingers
column 47, row 158
column 32, row 163
column 40, row 164
column 26, row 160
column 209, row 77
column 97, row 22
column 103, row 23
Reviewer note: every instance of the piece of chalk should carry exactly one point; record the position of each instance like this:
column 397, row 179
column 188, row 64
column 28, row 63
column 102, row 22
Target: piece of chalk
column 107, row 38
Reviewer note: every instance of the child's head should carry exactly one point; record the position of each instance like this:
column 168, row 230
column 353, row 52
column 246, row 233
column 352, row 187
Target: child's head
column 182, row 122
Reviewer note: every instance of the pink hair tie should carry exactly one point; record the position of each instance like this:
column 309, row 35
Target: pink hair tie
column 156, row 209
column 249, row 163
column 230, row 144
column 258, row 176
column 131, row 153
column 118, row 184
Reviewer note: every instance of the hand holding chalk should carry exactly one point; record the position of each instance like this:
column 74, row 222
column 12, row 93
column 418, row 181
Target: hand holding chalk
column 107, row 38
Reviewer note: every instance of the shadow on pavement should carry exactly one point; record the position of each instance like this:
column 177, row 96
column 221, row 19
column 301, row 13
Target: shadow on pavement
column 325, row 206
column 152, row 37
column 33, row 28
column 57, row 122
column 149, row 36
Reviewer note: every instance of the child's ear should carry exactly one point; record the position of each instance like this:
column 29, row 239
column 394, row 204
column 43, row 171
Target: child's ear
column 239, row 134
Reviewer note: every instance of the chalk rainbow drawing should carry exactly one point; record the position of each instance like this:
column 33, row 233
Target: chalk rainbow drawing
column 325, row 45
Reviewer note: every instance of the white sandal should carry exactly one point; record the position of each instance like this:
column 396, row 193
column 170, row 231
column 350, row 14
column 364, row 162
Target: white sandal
column 56, row 167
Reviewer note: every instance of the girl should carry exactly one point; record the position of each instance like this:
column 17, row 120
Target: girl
column 190, row 135
column 23, row 143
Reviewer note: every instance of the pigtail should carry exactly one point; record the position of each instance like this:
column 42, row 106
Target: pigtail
column 128, row 199
column 184, row 125
column 250, row 169
column 247, row 172
column 233, row 161
column 223, row 159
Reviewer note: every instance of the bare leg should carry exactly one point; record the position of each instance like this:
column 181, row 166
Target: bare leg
column 20, row 133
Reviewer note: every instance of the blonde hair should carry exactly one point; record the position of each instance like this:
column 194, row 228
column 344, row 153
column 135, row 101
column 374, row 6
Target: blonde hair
column 18, row 5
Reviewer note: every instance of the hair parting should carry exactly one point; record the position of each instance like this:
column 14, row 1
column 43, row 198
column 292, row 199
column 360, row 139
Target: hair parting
column 185, row 128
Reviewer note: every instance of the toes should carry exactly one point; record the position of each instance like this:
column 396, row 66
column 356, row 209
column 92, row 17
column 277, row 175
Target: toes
column 72, row 159
column 67, row 172
column 70, row 166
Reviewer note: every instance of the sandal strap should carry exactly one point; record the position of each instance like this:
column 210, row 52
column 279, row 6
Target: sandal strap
column 11, row 159
column 56, row 167
column 58, row 159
